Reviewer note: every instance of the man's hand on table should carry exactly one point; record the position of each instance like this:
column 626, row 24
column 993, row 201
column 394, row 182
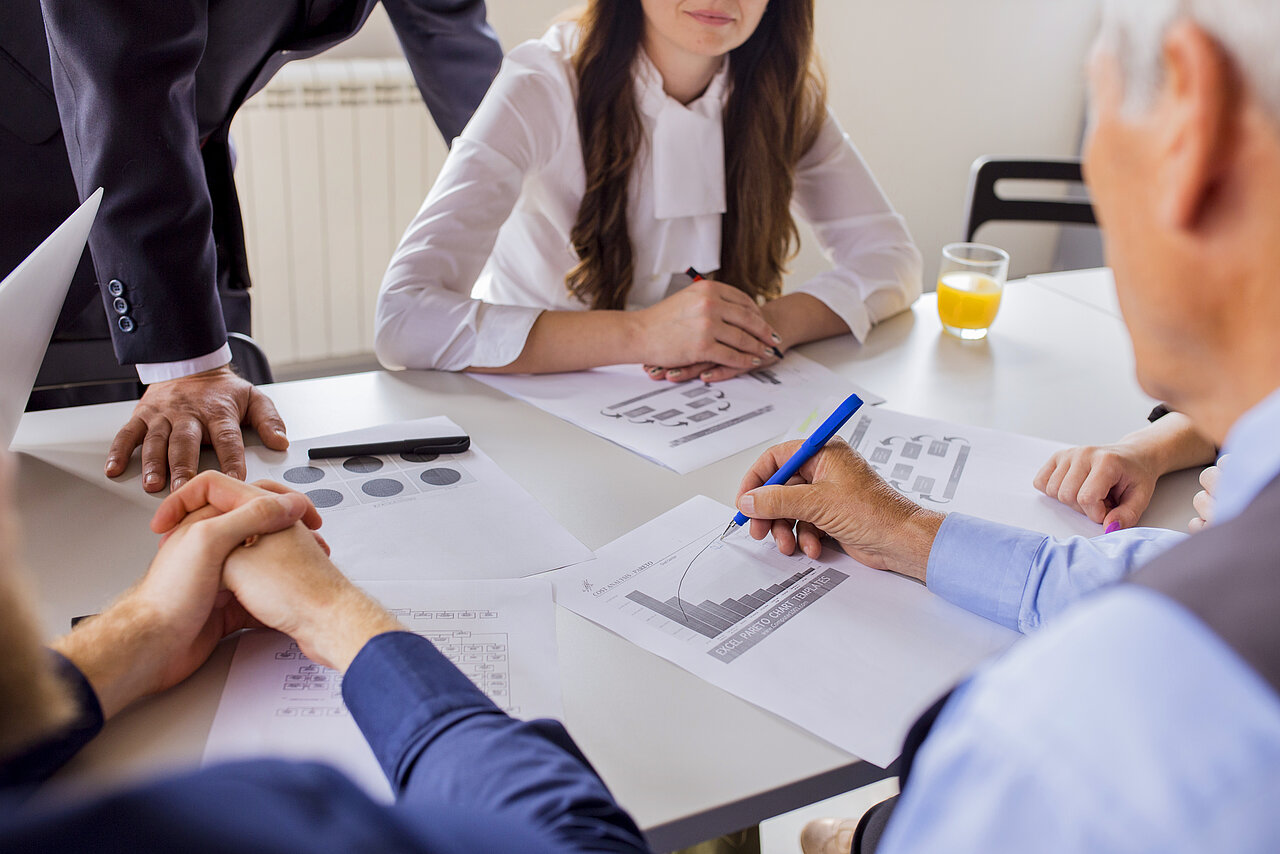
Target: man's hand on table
column 175, row 417
column 838, row 494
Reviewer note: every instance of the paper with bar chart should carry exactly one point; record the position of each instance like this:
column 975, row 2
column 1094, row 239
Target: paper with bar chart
column 277, row 702
column 682, row 426
column 851, row 654
column 406, row 516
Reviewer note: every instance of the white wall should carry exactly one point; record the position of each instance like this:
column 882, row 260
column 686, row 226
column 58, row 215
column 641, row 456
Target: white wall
column 923, row 87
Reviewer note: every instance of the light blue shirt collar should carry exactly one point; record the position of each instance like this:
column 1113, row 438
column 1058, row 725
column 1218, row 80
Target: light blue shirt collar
column 1254, row 446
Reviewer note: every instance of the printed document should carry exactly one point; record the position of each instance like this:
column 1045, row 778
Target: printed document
column 278, row 703
column 406, row 516
column 851, row 654
column 682, row 426
column 972, row 470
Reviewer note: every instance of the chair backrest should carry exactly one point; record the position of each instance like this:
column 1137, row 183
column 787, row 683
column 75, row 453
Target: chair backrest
column 983, row 205
column 248, row 360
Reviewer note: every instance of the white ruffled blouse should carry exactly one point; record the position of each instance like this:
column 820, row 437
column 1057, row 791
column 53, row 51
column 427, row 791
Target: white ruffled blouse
column 489, row 249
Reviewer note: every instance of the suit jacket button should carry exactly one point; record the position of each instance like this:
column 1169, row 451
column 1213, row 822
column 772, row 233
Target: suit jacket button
column 120, row 305
column 115, row 287
column 125, row 322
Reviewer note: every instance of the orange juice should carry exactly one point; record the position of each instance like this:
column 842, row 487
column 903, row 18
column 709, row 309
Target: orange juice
column 967, row 303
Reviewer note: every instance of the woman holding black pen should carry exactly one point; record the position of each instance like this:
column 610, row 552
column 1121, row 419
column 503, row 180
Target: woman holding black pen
column 646, row 138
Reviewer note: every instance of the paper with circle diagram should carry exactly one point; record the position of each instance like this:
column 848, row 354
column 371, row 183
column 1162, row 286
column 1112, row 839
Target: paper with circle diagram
column 413, row 516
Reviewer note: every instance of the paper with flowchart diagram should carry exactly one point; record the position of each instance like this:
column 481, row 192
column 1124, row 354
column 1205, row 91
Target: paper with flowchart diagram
column 682, row 426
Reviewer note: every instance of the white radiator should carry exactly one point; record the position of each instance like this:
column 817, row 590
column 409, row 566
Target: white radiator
column 335, row 157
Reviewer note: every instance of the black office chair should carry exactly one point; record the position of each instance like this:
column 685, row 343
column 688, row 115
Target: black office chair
column 983, row 204
column 248, row 360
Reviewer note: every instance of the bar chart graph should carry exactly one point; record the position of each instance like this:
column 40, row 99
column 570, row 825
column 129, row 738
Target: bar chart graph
column 713, row 619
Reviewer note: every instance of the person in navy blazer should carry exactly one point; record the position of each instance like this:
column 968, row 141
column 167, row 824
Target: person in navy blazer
column 146, row 93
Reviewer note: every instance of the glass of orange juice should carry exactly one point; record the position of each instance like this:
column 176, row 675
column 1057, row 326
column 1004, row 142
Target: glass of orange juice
column 970, row 282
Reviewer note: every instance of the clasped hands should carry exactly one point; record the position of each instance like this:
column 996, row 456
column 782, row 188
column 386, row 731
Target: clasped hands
column 232, row 556
column 708, row 331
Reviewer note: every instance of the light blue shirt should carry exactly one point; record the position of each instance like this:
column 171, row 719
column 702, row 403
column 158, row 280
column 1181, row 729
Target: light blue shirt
column 1125, row 724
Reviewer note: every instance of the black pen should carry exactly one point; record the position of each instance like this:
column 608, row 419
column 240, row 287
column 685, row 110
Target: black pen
column 436, row 445
column 698, row 277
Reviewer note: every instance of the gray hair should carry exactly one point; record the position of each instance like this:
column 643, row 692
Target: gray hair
column 1248, row 30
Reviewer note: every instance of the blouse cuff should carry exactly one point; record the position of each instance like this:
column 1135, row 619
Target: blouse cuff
column 501, row 333
column 834, row 292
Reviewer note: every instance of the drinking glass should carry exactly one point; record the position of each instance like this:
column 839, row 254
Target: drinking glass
column 970, row 282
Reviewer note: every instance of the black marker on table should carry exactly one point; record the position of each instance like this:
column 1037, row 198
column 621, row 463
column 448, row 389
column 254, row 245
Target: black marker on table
column 435, row 445
column 698, row 277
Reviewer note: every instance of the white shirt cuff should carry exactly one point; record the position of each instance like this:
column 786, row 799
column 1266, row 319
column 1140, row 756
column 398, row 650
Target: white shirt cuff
column 833, row 290
column 156, row 372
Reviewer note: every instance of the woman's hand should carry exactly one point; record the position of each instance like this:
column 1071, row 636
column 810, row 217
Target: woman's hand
column 1111, row 484
column 1203, row 500
column 708, row 330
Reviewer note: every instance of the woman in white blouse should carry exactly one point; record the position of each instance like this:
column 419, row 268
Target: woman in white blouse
column 613, row 154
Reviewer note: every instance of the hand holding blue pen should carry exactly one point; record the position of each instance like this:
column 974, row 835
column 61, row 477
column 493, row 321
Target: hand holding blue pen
column 805, row 452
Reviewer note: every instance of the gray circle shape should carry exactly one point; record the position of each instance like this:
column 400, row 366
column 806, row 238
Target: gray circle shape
column 419, row 458
column 382, row 487
column 323, row 498
column 362, row 465
column 440, row 477
column 303, row 474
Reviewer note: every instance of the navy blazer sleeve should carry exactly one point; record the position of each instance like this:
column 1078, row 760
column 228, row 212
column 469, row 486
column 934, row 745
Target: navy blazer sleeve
column 126, row 76
column 31, row 767
column 468, row 779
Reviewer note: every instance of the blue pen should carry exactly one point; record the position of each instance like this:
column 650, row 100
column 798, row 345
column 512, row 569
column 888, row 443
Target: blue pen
column 811, row 446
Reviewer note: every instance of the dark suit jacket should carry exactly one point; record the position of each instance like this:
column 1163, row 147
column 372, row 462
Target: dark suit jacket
column 36, row 190
column 146, row 92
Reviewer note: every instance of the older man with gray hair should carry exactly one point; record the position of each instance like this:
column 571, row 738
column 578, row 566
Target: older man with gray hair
column 1143, row 713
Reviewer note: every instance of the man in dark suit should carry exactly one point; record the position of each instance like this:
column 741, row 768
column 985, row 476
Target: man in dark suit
column 36, row 189
column 146, row 93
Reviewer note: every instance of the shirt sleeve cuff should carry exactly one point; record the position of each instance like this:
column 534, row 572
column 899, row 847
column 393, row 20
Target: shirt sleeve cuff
column 501, row 333
column 401, row 690
column 154, row 372
column 38, row 762
column 837, row 294
column 983, row 566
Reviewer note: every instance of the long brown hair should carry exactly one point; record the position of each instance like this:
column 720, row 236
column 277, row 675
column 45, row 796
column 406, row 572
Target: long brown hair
column 775, row 108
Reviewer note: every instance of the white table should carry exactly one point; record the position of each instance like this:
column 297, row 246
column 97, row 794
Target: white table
column 1094, row 288
column 688, row 760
